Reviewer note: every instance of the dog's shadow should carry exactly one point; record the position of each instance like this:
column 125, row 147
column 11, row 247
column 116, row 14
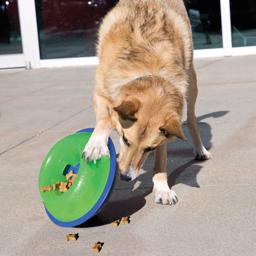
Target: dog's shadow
column 129, row 197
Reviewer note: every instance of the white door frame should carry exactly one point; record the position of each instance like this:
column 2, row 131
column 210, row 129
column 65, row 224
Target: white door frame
column 30, row 58
column 226, row 27
column 31, row 54
column 16, row 60
column 226, row 51
column 29, row 32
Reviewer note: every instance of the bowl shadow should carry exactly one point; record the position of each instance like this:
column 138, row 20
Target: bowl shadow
column 129, row 197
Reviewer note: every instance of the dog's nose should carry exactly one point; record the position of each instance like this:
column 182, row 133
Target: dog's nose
column 125, row 177
column 130, row 175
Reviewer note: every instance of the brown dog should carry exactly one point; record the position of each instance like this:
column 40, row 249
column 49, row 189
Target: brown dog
column 144, row 75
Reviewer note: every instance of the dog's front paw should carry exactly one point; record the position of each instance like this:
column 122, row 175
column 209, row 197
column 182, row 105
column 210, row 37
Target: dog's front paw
column 203, row 154
column 95, row 148
column 163, row 194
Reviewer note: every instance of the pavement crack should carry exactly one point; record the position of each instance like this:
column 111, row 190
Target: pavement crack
column 17, row 145
column 43, row 131
column 208, row 64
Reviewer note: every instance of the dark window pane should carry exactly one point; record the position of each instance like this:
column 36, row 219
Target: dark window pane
column 243, row 15
column 206, row 23
column 68, row 28
column 10, row 39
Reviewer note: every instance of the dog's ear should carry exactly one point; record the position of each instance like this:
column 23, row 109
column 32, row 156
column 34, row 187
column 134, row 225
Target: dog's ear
column 173, row 127
column 127, row 111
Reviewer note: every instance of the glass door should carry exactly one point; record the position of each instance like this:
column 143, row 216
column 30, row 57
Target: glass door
column 205, row 18
column 243, row 16
column 67, row 28
column 11, row 53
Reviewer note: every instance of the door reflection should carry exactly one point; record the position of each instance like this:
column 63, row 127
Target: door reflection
column 205, row 19
column 68, row 28
column 243, row 16
column 10, row 38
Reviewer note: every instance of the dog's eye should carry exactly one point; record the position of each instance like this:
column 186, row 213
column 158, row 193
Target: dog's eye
column 149, row 149
column 126, row 142
column 164, row 132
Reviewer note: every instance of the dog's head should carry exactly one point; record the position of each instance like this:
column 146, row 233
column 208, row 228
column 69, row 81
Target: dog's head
column 146, row 114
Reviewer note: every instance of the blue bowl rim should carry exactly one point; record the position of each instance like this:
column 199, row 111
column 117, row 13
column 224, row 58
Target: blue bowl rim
column 104, row 196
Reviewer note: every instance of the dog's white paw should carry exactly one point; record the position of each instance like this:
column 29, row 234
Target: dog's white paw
column 96, row 148
column 163, row 194
column 203, row 154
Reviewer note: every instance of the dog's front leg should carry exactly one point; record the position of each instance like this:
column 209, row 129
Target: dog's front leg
column 97, row 144
column 163, row 194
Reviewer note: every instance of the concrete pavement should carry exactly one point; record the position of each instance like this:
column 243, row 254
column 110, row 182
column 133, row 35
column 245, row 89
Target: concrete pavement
column 216, row 213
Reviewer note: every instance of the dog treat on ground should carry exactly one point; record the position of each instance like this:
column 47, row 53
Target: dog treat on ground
column 72, row 237
column 97, row 247
column 116, row 223
column 126, row 220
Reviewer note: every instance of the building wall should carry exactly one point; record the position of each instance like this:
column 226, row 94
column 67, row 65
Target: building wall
column 68, row 28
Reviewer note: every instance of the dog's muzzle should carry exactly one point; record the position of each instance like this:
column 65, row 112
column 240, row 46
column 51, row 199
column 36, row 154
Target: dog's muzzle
column 125, row 177
column 129, row 176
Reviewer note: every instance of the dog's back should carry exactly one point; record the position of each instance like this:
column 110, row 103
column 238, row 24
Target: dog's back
column 144, row 37
column 144, row 75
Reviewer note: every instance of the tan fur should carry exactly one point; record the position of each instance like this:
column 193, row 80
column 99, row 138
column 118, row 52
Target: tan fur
column 144, row 75
column 141, row 38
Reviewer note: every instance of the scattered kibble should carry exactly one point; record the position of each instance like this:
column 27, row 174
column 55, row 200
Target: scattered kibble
column 61, row 186
column 97, row 247
column 123, row 220
column 72, row 237
column 126, row 220
column 46, row 188
column 116, row 223
column 70, row 175
column 54, row 187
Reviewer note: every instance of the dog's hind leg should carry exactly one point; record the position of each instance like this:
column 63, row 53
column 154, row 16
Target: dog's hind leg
column 200, row 150
column 163, row 194
column 97, row 144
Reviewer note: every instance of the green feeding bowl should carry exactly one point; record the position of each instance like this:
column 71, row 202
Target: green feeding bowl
column 91, row 187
